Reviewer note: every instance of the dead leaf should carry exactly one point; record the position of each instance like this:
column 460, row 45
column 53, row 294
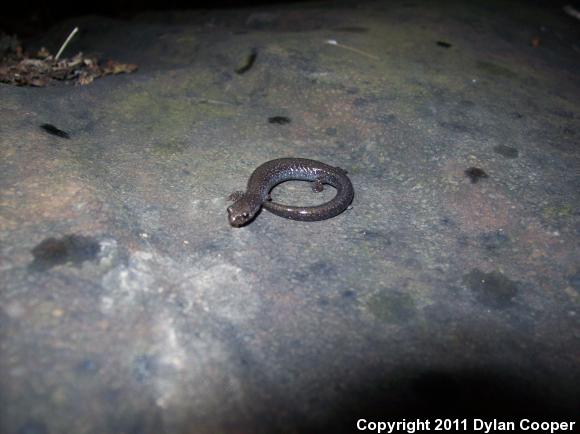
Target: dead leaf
column 112, row 67
column 43, row 53
column 20, row 69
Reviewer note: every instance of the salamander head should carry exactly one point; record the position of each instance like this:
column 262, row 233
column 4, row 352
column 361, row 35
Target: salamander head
column 243, row 210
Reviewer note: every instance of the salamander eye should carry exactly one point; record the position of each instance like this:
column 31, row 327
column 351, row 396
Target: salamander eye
column 245, row 215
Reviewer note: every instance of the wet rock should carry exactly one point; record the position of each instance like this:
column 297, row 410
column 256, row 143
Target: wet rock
column 506, row 151
column 74, row 249
column 392, row 307
column 491, row 289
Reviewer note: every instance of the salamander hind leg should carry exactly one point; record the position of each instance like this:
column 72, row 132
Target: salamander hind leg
column 236, row 195
column 317, row 186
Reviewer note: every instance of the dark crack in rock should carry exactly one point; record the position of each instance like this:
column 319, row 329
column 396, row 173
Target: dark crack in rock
column 475, row 174
column 51, row 129
column 279, row 120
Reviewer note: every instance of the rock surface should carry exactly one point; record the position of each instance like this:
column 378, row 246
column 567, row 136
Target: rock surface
column 128, row 304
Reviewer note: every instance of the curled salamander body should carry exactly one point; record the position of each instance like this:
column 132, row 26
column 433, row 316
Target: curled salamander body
column 257, row 195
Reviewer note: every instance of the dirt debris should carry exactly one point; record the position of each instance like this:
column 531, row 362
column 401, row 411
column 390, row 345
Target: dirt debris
column 39, row 69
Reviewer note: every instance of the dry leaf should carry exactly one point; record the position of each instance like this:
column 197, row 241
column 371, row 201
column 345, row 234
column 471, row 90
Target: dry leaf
column 20, row 69
column 112, row 67
column 43, row 53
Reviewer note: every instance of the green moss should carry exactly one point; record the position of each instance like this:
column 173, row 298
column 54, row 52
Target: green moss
column 554, row 212
column 157, row 116
column 391, row 306
column 495, row 69
column 166, row 109
column 169, row 148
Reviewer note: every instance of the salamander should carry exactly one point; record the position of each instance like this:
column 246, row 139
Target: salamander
column 257, row 195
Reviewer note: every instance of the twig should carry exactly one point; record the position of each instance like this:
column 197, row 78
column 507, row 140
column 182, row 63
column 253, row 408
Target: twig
column 63, row 46
column 212, row 101
column 571, row 11
column 356, row 50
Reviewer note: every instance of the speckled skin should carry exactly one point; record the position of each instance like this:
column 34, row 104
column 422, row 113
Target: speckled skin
column 268, row 175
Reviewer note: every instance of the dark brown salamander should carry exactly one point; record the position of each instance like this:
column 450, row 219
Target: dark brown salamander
column 268, row 175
